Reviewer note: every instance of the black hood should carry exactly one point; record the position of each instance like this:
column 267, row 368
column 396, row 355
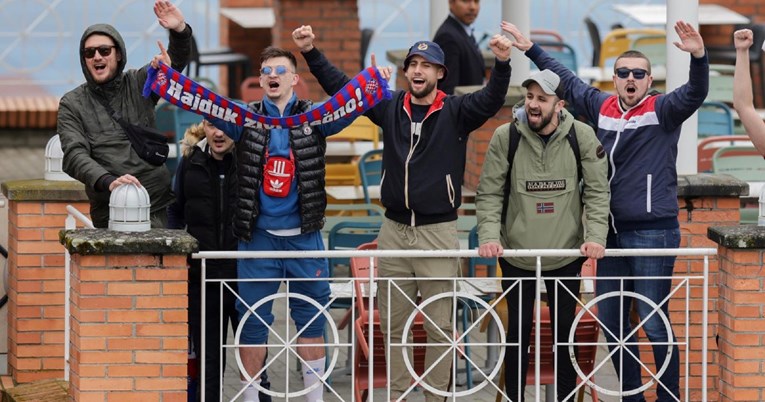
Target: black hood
column 110, row 31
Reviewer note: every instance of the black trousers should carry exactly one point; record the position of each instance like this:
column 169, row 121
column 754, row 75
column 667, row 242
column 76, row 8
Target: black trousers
column 520, row 305
column 217, row 330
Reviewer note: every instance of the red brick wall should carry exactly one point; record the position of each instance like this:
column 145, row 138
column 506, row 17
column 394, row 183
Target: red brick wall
column 335, row 23
column 129, row 328
column 36, row 289
column 741, row 326
column 478, row 143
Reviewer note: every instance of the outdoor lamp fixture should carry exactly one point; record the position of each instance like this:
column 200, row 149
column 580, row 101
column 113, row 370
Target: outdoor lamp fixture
column 54, row 159
column 129, row 209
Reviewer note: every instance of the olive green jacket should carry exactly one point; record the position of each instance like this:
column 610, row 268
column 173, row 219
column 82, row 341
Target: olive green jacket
column 546, row 210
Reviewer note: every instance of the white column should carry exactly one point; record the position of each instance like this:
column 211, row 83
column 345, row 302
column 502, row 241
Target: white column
column 678, row 63
column 519, row 13
column 439, row 10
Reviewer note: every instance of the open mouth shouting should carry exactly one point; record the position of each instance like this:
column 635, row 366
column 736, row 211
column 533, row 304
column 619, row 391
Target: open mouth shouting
column 418, row 84
column 630, row 89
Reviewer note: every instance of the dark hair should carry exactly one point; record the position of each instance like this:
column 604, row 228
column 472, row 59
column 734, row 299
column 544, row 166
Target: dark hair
column 272, row 52
column 633, row 54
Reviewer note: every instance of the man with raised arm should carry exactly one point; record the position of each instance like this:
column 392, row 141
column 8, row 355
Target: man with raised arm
column 742, row 90
column 425, row 133
column 97, row 151
column 640, row 132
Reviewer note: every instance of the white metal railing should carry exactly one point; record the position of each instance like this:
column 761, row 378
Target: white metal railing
column 73, row 216
column 334, row 342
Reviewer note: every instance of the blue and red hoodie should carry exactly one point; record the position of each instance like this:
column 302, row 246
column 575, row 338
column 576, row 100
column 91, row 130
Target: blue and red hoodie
column 641, row 142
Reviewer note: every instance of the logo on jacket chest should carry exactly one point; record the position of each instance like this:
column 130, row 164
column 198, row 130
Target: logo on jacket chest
column 546, row 185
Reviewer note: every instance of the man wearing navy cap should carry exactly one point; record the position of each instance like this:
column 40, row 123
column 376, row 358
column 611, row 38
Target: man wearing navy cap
column 425, row 132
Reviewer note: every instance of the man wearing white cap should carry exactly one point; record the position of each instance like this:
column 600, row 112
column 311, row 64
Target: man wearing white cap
column 540, row 173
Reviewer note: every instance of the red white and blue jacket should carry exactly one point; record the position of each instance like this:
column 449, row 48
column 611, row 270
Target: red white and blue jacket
column 641, row 142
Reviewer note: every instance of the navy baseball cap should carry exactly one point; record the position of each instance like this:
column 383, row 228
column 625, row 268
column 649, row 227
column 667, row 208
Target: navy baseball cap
column 430, row 51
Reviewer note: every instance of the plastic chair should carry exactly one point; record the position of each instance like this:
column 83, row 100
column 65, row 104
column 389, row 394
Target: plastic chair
column 360, row 267
column 741, row 162
column 355, row 225
column 619, row 41
column 349, row 235
column 233, row 61
column 545, row 35
column 715, row 118
column 595, row 40
column 587, row 331
column 652, row 46
column 561, row 52
column 251, row 91
column 370, row 170
column 362, row 129
column 708, row 146
column 720, row 88
column 473, row 244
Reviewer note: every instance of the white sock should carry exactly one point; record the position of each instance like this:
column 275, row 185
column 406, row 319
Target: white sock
column 312, row 372
column 250, row 393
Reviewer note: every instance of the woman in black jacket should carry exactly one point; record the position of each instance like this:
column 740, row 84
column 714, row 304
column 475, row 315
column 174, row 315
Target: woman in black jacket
column 205, row 182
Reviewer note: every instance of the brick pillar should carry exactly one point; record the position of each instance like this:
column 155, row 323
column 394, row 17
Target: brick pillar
column 705, row 200
column 129, row 323
column 740, row 307
column 37, row 211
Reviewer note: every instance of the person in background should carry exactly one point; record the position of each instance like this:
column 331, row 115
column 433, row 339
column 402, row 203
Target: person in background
column 455, row 36
column 538, row 203
column 425, row 133
column 97, row 151
column 742, row 90
column 205, row 185
column 639, row 131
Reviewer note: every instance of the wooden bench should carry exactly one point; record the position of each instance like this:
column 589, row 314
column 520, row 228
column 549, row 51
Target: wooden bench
column 28, row 112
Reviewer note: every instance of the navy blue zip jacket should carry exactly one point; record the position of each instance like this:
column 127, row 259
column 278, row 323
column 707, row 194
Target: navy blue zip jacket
column 641, row 142
column 422, row 174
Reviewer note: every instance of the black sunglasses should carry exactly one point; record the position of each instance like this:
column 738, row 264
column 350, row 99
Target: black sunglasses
column 103, row 50
column 624, row 72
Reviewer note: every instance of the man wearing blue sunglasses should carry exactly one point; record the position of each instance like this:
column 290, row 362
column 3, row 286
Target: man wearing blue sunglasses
column 640, row 131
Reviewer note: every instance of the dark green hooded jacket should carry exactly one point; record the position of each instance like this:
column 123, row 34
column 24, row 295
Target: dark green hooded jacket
column 96, row 148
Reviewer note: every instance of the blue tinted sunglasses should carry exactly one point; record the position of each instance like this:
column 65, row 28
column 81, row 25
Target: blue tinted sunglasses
column 267, row 70
column 624, row 72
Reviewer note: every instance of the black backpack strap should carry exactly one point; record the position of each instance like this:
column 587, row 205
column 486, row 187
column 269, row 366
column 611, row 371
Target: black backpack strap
column 515, row 140
column 574, row 142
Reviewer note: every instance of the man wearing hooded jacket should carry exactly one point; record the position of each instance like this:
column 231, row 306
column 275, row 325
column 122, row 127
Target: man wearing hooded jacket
column 97, row 151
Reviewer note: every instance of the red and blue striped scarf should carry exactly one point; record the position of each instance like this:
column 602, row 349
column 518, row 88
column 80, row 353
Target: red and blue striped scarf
column 360, row 94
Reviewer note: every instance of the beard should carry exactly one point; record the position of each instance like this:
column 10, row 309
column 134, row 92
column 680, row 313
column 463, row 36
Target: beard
column 542, row 123
column 429, row 87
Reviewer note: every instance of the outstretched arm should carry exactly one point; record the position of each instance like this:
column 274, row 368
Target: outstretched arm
column 677, row 106
column 171, row 18
column 742, row 90
column 586, row 99
column 330, row 77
